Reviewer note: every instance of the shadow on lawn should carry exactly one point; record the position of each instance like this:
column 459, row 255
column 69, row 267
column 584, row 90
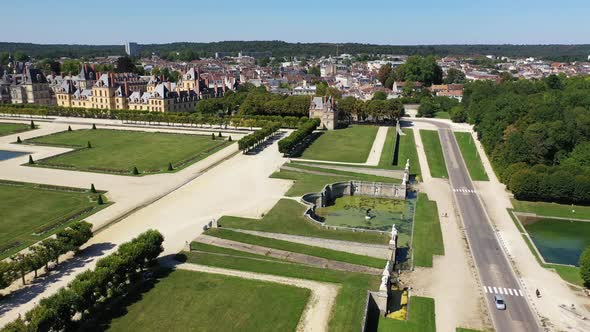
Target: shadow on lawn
column 63, row 269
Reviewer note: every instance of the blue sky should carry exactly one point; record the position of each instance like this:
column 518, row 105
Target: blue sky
column 379, row 21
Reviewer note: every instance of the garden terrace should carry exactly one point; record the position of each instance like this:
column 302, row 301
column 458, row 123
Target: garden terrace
column 31, row 212
column 118, row 151
column 352, row 144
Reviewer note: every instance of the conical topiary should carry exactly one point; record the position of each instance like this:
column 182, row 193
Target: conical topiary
column 18, row 140
column 31, row 161
column 92, row 189
column 99, row 200
column 170, row 168
column 229, row 139
column 32, row 124
column 89, row 145
column 219, row 134
column 135, row 171
column 212, row 136
column 93, row 126
column 69, row 128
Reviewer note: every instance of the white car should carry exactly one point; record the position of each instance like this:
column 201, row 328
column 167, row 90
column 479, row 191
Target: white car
column 499, row 301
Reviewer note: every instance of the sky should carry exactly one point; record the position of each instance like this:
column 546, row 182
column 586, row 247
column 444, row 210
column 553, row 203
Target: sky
column 390, row 22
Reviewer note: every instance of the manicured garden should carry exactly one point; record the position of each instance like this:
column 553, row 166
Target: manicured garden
column 31, row 212
column 352, row 144
column 119, row 152
column 434, row 153
column 421, row 318
column 407, row 150
column 297, row 247
column 12, row 128
column 286, row 217
column 195, row 301
column 427, row 240
column 471, row 157
column 386, row 160
column 349, row 307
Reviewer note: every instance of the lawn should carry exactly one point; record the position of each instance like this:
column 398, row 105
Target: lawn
column 286, row 217
column 434, row 153
column 209, row 248
column 349, row 307
column 471, row 157
column 427, row 239
column 442, row 115
column 552, row 209
column 407, row 150
column 13, row 128
column 306, row 183
column 421, row 318
column 352, row 144
column 195, row 301
column 388, row 153
column 27, row 209
column 118, row 151
column 297, row 248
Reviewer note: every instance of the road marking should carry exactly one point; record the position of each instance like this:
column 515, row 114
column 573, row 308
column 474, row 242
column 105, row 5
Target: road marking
column 502, row 291
column 510, row 291
column 464, row 190
column 495, row 290
column 520, row 292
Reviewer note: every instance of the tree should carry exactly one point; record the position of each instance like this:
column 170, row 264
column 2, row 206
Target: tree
column 585, row 266
column 454, row 76
column 54, row 248
column 314, row 71
column 38, row 258
column 458, row 114
column 22, row 264
column 125, row 65
column 21, row 56
column 379, row 95
column 6, row 274
column 70, row 67
column 384, row 73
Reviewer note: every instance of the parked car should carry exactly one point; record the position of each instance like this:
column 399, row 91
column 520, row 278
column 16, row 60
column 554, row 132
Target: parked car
column 499, row 301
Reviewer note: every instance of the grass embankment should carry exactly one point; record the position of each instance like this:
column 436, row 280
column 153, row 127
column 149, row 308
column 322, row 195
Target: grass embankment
column 297, row 248
column 349, row 308
column 461, row 329
column 442, row 115
column 13, row 128
column 434, row 153
column 352, row 144
column 471, row 157
column 28, row 209
column 570, row 274
column 427, row 239
column 407, row 150
column 350, row 174
column 212, row 249
column 421, row 318
column 552, row 209
column 286, row 217
column 119, row 151
column 306, row 183
column 387, row 158
column 195, row 301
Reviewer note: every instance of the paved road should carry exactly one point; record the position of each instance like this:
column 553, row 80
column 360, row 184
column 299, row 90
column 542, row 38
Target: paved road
column 495, row 272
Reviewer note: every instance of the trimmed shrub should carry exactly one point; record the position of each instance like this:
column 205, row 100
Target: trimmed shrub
column 92, row 189
column 89, row 145
column 212, row 136
column 18, row 140
column 135, row 171
column 69, row 128
column 32, row 124
column 94, row 126
column 100, row 200
column 170, row 168
column 229, row 139
column 287, row 144
column 31, row 161
column 219, row 134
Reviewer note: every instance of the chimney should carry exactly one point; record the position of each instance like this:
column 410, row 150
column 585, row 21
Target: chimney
column 198, row 88
column 85, row 68
column 94, row 68
column 126, row 88
column 215, row 87
column 207, row 82
column 169, row 86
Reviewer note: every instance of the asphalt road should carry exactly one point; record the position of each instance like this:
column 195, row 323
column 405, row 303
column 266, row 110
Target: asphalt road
column 495, row 271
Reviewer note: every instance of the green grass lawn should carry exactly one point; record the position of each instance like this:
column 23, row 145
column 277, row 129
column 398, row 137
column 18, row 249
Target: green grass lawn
column 461, row 329
column 286, row 217
column 352, row 144
column 427, row 232
column 118, row 151
column 13, row 128
column 421, row 318
column 442, row 115
column 407, row 150
column 434, row 153
column 27, row 208
column 552, row 209
column 570, row 274
column 471, row 157
column 298, row 248
column 349, row 307
column 195, row 301
column 209, row 248
column 388, row 152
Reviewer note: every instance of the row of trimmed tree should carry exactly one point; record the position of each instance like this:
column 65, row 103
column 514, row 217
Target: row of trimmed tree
column 92, row 291
column 256, row 138
column 287, row 144
column 48, row 250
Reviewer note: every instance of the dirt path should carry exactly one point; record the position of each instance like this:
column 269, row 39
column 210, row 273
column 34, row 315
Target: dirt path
column 316, row 315
column 373, row 250
column 288, row 255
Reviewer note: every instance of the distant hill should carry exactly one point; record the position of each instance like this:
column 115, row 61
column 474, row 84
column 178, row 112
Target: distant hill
column 280, row 49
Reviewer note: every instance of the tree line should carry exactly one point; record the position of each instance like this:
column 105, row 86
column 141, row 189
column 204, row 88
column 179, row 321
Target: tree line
column 92, row 291
column 48, row 250
column 286, row 145
column 537, row 134
column 256, row 138
column 415, row 69
column 373, row 110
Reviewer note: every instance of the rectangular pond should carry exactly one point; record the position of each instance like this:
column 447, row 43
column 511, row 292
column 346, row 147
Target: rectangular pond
column 559, row 241
column 5, row 155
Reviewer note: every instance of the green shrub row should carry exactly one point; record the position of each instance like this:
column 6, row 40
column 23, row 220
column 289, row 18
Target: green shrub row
column 287, row 144
column 249, row 141
column 92, row 290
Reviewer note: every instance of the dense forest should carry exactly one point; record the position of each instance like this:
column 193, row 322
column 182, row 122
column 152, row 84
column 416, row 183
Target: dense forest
column 284, row 49
column 537, row 133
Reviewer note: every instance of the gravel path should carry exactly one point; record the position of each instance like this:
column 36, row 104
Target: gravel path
column 315, row 317
column 373, row 250
column 287, row 255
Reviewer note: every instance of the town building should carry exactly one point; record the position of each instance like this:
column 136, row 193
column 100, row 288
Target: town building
column 324, row 108
column 30, row 87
